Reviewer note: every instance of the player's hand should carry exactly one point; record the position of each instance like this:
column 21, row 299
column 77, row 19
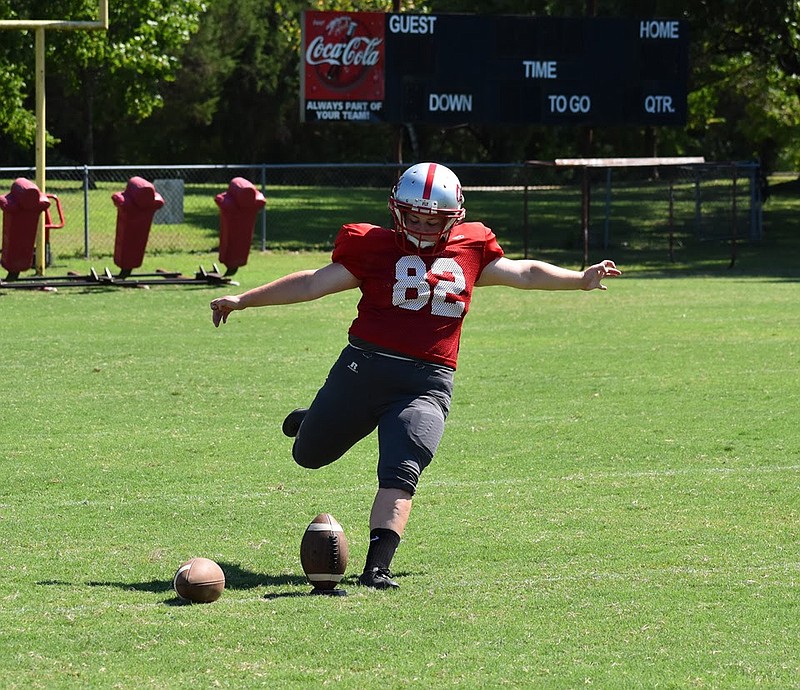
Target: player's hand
column 593, row 275
column 221, row 307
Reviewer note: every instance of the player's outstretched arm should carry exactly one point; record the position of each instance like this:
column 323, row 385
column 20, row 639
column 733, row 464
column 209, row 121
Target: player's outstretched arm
column 538, row 275
column 302, row 286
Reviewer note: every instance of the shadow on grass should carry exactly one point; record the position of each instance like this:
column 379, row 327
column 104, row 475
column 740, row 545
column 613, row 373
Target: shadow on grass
column 236, row 577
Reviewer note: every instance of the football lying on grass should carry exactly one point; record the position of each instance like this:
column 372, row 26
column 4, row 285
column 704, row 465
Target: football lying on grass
column 199, row 580
column 324, row 552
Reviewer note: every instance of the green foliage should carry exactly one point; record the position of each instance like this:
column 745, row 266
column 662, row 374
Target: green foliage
column 15, row 79
column 746, row 97
column 99, row 78
column 197, row 81
column 20, row 123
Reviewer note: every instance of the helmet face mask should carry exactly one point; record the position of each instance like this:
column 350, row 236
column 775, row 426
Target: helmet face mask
column 426, row 192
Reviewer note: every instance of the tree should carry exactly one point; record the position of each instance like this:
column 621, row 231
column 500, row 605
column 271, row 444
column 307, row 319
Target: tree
column 95, row 80
column 237, row 96
column 235, row 91
column 228, row 81
column 745, row 99
column 17, row 123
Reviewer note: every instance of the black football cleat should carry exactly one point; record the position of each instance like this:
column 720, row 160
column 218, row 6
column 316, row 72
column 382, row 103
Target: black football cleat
column 291, row 425
column 378, row 578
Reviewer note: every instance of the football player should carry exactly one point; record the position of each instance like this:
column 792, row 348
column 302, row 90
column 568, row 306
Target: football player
column 396, row 372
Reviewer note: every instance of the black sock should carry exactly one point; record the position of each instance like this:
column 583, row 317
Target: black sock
column 382, row 545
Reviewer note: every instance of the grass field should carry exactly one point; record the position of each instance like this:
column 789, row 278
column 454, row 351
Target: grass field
column 615, row 502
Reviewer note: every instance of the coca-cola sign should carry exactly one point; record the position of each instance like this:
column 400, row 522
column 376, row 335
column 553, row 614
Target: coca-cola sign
column 358, row 51
column 344, row 56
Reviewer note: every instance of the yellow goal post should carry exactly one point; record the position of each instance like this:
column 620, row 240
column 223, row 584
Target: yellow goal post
column 39, row 26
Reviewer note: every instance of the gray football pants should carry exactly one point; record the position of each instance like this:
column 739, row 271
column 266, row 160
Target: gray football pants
column 407, row 401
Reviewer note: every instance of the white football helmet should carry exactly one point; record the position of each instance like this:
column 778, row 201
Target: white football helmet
column 427, row 189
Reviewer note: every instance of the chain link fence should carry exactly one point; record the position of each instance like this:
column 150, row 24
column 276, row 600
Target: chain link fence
column 531, row 207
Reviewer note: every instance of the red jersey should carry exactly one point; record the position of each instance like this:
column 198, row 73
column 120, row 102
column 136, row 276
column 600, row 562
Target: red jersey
column 414, row 305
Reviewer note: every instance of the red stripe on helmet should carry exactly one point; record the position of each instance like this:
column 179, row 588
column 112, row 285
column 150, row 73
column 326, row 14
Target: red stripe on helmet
column 426, row 194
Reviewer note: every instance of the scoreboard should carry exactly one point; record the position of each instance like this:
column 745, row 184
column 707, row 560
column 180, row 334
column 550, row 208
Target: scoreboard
column 450, row 69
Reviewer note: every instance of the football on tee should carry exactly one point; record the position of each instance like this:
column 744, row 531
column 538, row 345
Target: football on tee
column 199, row 580
column 324, row 552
